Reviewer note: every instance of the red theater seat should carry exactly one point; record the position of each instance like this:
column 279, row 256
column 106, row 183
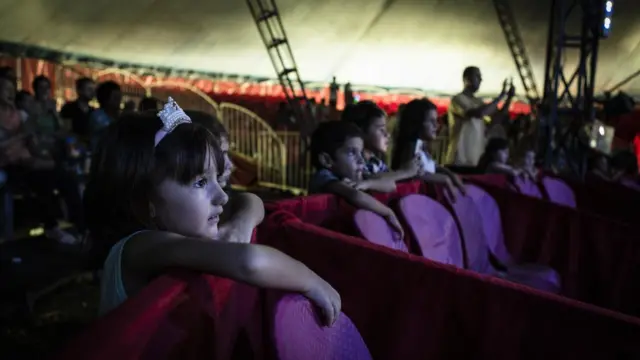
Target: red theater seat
column 434, row 229
column 298, row 333
column 527, row 187
column 376, row 229
column 559, row 192
column 479, row 216
column 406, row 307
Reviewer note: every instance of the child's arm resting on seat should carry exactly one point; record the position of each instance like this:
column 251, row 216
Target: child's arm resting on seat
column 244, row 212
column 364, row 201
column 385, row 185
column 152, row 252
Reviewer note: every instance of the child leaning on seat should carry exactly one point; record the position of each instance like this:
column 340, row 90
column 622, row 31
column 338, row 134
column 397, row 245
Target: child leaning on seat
column 244, row 211
column 153, row 199
column 336, row 153
column 416, row 129
column 372, row 121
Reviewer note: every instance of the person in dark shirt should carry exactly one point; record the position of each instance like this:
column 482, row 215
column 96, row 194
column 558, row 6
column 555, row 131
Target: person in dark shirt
column 78, row 111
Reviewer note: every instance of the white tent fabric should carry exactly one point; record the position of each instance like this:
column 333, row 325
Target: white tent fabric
column 421, row 44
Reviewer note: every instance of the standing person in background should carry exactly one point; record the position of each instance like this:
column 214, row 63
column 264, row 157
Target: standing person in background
column 467, row 119
column 348, row 95
column 149, row 103
column 78, row 111
column 109, row 97
column 333, row 94
column 7, row 72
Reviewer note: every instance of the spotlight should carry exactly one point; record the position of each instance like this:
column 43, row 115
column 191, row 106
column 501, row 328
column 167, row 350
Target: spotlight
column 606, row 18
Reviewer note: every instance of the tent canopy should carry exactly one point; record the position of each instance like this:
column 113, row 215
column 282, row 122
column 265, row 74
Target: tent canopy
column 401, row 43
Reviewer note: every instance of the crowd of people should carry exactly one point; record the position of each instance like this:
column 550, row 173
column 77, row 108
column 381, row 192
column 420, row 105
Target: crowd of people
column 44, row 152
column 158, row 183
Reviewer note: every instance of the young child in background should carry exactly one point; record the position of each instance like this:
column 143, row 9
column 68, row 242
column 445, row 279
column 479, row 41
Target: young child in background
column 153, row 197
column 495, row 158
column 417, row 127
column 372, row 121
column 244, row 211
column 336, row 154
column 529, row 168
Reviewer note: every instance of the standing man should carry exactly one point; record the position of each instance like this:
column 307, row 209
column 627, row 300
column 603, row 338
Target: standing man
column 467, row 115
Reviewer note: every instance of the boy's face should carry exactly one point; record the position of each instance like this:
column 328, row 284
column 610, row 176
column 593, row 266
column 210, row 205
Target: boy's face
column 223, row 179
column 377, row 136
column 347, row 162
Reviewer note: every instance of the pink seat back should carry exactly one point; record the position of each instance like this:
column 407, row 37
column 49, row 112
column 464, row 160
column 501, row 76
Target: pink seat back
column 559, row 192
column 299, row 335
column 527, row 187
column 491, row 222
column 630, row 183
column 434, row 229
column 376, row 229
column 475, row 241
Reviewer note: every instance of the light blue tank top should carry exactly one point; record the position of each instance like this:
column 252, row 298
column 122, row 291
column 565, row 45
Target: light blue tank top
column 112, row 292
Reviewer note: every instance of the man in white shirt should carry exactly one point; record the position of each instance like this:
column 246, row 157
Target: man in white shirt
column 467, row 115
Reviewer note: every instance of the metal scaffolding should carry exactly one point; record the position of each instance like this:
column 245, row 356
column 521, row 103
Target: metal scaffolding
column 267, row 18
column 567, row 105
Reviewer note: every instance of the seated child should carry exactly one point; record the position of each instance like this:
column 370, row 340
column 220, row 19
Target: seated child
column 154, row 199
column 495, row 157
column 529, row 168
column 417, row 127
column 372, row 121
column 243, row 207
column 336, row 153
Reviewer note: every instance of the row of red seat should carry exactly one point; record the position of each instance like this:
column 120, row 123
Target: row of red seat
column 402, row 305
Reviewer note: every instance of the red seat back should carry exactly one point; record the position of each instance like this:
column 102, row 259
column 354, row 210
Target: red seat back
column 527, row 187
column 559, row 192
column 434, row 229
column 376, row 229
column 473, row 235
column 491, row 222
column 299, row 334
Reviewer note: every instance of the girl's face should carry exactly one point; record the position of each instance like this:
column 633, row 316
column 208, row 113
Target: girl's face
column 377, row 137
column 502, row 156
column 430, row 126
column 529, row 159
column 223, row 179
column 193, row 209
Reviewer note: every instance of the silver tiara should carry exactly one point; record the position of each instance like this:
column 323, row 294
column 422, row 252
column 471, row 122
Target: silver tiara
column 172, row 115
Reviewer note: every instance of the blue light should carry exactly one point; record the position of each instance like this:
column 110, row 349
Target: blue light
column 606, row 21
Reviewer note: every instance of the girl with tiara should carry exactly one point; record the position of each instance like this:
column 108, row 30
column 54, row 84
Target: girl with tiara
column 153, row 199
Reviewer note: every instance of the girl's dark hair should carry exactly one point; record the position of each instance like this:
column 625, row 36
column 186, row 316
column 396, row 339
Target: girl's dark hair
column 408, row 130
column 362, row 114
column 490, row 150
column 126, row 168
column 209, row 122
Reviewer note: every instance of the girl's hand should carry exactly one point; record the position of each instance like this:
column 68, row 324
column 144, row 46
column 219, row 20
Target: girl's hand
column 414, row 167
column 395, row 224
column 326, row 298
column 457, row 182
